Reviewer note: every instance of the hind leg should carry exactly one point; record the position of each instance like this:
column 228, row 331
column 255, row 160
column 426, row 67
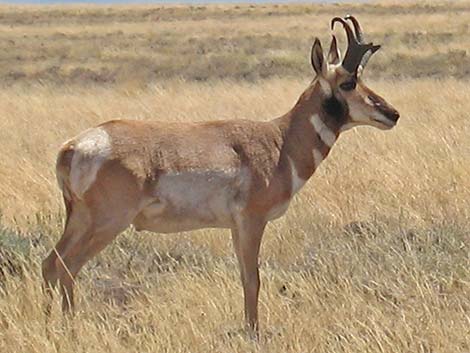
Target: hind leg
column 98, row 227
column 89, row 245
column 105, row 210
column 49, row 272
column 78, row 223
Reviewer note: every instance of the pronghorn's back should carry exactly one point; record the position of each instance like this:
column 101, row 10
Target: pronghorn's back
column 149, row 149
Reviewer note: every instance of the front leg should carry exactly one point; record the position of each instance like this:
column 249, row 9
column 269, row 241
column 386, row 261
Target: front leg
column 246, row 238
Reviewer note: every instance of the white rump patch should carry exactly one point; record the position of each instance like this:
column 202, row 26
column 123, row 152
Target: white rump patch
column 92, row 148
column 323, row 131
column 317, row 157
column 297, row 182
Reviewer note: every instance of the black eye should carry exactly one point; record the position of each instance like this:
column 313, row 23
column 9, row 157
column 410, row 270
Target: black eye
column 348, row 85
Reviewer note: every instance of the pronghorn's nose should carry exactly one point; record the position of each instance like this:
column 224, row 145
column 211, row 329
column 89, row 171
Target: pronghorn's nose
column 393, row 115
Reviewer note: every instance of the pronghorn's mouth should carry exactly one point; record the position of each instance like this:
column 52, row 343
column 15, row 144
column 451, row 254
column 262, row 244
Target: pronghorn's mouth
column 388, row 117
column 386, row 123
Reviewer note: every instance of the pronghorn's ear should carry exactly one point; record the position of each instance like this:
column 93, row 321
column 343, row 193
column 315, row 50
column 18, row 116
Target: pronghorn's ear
column 317, row 58
column 334, row 55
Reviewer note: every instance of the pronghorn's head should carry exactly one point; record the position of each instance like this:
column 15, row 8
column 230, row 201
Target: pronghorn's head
column 345, row 97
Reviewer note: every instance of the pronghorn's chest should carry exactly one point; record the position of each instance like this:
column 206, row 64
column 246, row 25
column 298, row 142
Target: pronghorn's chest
column 195, row 199
column 279, row 208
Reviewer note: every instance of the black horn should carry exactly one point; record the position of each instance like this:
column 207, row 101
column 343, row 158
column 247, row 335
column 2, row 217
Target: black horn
column 348, row 30
column 357, row 28
column 358, row 52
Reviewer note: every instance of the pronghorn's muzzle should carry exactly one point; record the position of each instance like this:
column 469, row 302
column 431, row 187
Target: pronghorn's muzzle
column 385, row 109
column 391, row 114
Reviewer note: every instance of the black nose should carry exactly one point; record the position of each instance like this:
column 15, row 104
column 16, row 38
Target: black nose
column 393, row 115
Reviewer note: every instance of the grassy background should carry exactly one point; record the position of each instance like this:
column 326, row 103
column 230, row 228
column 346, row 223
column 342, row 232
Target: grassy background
column 372, row 256
column 141, row 44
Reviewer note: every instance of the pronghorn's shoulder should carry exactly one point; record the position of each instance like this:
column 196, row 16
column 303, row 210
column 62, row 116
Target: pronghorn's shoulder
column 258, row 145
column 253, row 136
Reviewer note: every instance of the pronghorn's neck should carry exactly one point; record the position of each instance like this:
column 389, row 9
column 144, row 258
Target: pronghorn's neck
column 310, row 130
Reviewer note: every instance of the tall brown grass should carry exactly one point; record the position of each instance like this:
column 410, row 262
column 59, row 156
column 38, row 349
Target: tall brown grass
column 372, row 256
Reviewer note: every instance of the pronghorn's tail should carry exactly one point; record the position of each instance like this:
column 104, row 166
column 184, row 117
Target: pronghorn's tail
column 63, row 169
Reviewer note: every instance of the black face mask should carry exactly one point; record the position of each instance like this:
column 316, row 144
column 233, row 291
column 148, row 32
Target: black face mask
column 335, row 108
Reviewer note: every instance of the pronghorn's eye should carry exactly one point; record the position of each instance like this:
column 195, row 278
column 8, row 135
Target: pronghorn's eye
column 348, row 85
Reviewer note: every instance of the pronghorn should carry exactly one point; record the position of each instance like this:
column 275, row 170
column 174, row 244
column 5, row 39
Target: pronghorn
column 238, row 174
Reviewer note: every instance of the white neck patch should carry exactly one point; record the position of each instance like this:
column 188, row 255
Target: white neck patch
column 317, row 157
column 297, row 182
column 323, row 131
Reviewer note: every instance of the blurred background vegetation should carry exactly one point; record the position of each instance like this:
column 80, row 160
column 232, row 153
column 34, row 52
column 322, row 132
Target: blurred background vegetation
column 119, row 44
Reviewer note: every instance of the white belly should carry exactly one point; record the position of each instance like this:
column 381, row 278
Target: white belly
column 193, row 200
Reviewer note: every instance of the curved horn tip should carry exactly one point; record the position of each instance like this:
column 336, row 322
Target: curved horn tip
column 357, row 27
column 347, row 28
column 352, row 18
column 336, row 19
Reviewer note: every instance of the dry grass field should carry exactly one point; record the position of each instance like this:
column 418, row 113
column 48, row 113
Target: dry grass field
column 373, row 254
